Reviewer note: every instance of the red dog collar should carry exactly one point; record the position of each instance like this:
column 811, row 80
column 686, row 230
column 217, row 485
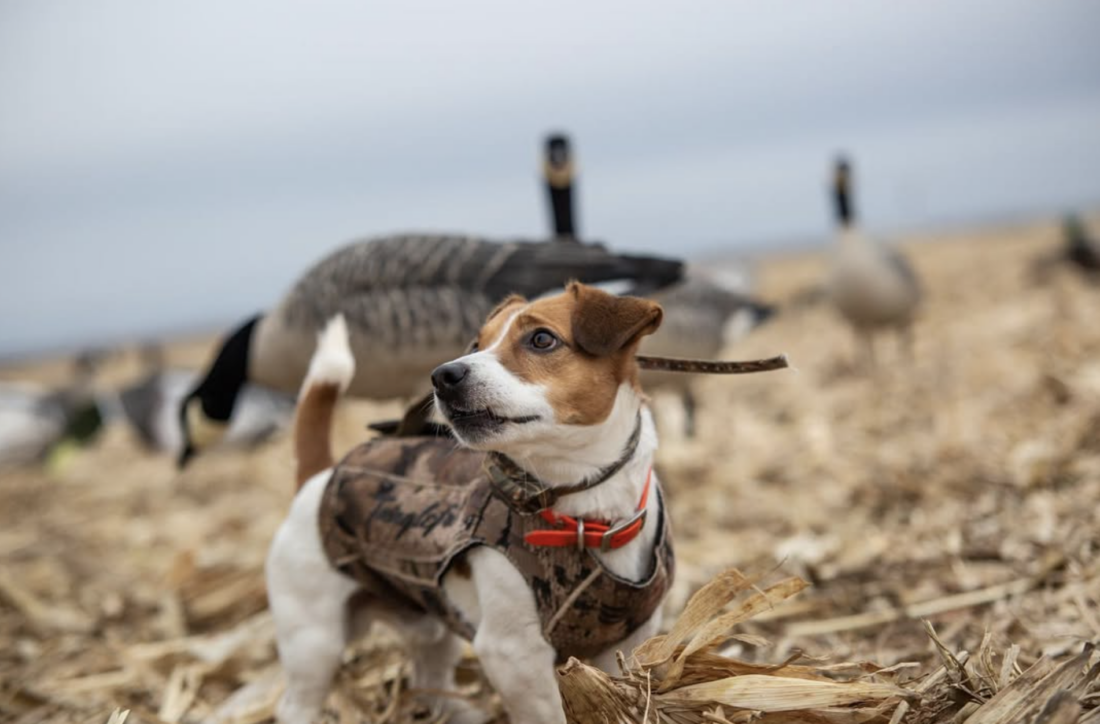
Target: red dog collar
column 569, row 531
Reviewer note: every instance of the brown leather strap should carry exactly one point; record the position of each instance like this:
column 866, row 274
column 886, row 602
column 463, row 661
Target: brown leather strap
column 526, row 494
column 712, row 367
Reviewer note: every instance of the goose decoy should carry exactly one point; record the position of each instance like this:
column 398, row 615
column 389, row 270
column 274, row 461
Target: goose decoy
column 1078, row 248
column 411, row 302
column 36, row 422
column 1081, row 249
column 871, row 285
column 702, row 318
column 702, row 314
column 151, row 408
column 558, row 169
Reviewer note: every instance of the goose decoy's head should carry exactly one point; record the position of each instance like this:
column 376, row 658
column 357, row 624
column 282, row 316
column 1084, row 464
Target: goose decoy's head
column 200, row 429
column 559, row 161
column 85, row 423
column 842, row 196
column 558, row 169
column 205, row 412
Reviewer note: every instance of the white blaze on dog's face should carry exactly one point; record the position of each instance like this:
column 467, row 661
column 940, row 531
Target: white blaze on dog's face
column 543, row 369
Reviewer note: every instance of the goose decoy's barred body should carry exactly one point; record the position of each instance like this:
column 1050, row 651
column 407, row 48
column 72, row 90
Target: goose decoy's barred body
column 559, row 172
column 871, row 284
column 702, row 315
column 411, row 302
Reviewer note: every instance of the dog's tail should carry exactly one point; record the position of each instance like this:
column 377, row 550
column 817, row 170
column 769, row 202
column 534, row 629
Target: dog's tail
column 330, row 373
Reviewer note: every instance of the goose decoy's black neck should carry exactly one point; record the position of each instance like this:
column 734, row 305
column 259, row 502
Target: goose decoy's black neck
column 558, row 169
column 842, row 193
column 205, row 411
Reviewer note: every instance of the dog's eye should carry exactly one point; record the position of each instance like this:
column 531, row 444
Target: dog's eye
column 543, row 341
column 472, row 348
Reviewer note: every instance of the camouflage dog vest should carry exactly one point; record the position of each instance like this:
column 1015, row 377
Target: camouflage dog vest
column 399, row 512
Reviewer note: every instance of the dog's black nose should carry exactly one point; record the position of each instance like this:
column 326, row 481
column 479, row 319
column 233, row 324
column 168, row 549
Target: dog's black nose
column 449, row 376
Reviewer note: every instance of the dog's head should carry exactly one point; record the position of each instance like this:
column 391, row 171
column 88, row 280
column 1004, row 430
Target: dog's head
column 545, row 369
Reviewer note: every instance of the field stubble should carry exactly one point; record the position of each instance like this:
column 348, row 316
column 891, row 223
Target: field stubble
column 961, row 486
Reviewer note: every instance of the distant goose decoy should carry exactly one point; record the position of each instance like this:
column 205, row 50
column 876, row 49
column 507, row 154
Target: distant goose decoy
column 871, row 285
column 702, row 318
column 1078, row 248
column 1081, row 249
column 702, row 314
column 35, row 421
column 411, row 302
column 151, row 407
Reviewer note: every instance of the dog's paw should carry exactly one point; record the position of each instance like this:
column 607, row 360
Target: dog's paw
column 461, row 712
column 291, row 710
column 452, row 711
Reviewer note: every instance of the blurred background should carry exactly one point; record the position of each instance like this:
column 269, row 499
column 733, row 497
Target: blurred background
column 169, row 169
column 173, row 166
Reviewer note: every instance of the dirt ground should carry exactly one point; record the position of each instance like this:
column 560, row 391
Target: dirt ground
column 961, row 486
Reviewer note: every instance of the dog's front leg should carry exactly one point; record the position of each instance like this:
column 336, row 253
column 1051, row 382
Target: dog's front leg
column 509, row 642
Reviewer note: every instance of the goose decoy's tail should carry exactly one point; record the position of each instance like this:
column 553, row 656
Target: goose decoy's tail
column 531, row 269
column 734, row 297
column 647, row 274
column 330, row 373
column 558, row 170
column 761, row 312
column 140, row 404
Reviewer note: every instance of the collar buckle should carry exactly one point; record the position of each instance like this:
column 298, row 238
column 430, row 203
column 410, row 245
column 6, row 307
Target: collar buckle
column 605, row 539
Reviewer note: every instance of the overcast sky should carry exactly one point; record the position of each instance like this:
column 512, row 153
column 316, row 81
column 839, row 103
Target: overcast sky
column 177, row 164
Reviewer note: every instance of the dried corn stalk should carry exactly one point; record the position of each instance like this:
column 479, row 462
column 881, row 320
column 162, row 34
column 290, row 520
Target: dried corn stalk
column 668, row 680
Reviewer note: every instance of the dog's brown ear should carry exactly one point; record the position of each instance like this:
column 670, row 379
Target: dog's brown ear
column 603, row 323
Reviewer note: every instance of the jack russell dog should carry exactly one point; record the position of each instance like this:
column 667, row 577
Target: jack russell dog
column 542, row 536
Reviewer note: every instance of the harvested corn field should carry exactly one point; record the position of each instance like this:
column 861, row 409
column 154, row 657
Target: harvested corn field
column 942, row 507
